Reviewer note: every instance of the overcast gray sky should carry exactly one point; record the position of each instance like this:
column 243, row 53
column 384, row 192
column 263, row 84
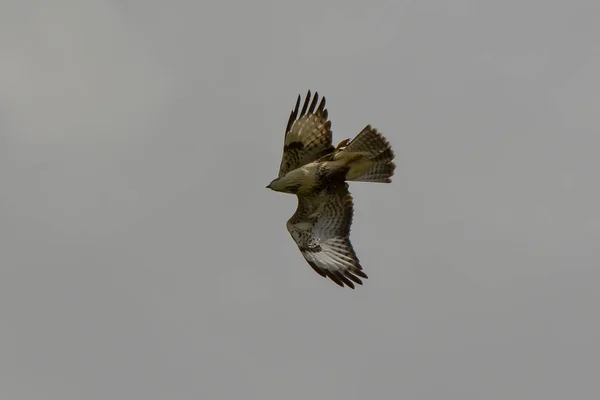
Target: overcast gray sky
column 141, row 256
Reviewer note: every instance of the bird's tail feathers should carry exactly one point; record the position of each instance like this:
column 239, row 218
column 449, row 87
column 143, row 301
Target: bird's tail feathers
column 369, row 156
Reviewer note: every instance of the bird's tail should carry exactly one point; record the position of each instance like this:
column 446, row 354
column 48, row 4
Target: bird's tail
column 369, row 156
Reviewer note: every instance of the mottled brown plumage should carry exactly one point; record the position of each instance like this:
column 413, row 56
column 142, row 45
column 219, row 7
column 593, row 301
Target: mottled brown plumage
column 321, row 229
column 307, row 135
column 317, row 173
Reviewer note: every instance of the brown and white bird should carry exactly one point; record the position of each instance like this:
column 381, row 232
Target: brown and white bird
column 316, row 172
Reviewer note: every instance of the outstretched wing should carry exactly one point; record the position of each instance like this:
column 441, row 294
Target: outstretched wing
column 307, row 135
column 321, row 229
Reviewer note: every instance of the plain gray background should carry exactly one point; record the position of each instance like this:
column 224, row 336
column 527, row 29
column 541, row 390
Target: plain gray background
column 143, row 258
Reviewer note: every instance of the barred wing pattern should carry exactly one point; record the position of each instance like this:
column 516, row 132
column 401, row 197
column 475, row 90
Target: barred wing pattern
column 307, row 135
column 321, row 229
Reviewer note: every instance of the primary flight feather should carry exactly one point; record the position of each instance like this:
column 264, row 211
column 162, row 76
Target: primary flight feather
column 316, row 172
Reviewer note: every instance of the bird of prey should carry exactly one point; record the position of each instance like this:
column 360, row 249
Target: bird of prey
column 316, row 172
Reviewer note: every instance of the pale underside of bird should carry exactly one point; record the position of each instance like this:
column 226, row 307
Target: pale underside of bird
column 316, row 172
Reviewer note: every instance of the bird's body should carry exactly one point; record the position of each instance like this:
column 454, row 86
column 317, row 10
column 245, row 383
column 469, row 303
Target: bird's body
column 316, row 172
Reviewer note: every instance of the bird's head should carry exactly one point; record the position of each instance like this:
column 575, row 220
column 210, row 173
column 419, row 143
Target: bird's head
column 283, row 185
column 275, row 185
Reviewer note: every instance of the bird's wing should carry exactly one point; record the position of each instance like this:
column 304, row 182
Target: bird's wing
column 307, row 135
column 321, row 229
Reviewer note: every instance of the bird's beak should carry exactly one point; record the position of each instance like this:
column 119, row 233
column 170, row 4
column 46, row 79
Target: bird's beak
column 268, row 186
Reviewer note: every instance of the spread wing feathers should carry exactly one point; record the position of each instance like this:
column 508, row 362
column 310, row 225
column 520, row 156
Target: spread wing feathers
column 321, row 229
column 307, row 135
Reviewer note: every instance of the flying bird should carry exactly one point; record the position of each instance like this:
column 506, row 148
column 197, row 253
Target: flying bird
column 316, row 172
